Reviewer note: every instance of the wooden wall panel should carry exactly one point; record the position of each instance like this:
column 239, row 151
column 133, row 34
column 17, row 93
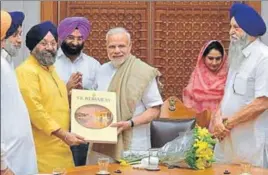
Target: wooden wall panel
column 49, row 11
column 180, row 31
column 166, row 34
column 105, row 15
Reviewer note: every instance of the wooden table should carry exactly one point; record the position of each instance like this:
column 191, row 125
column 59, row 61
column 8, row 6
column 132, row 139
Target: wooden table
column 216, row 169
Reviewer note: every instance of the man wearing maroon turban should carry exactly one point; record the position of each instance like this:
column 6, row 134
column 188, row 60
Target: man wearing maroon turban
column 74, row 67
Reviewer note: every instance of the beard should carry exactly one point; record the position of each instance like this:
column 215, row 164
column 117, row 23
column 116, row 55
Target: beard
column 118, row 62
column 45, row 57
column 11, row 49
column 70, row 49
column 235, row 54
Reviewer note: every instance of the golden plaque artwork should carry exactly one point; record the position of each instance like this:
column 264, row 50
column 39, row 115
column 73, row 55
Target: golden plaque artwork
column 92, row 113
column 93, row 116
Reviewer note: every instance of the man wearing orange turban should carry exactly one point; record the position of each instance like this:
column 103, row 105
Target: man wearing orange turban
column 16, row 132
column 5, row 23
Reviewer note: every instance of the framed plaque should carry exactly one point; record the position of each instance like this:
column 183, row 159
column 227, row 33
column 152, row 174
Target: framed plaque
column 92, row 113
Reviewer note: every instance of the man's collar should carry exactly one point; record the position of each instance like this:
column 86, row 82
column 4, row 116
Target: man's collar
column 247, row 51
column 35, row 61
column 5, row 55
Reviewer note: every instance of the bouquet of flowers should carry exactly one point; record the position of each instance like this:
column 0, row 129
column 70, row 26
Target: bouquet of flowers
column 193, row 149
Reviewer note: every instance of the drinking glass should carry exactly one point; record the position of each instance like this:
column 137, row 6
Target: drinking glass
column 58, row 171
column 103, row 163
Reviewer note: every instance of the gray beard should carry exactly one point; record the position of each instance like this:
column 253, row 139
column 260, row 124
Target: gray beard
column 235, row 54
column 45, row 58
column 11, row 49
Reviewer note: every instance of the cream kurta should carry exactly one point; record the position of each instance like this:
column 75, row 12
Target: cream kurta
column 46, row 98
column 16, row 133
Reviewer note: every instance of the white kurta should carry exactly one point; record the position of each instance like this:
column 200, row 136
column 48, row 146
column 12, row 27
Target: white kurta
column 151, row 97
column 248, row 141
column 16, row 131
column 84, row 64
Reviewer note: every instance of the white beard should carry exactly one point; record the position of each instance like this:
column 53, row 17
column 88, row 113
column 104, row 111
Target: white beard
column 235, row 54
column 118, row 62
column 11, row 49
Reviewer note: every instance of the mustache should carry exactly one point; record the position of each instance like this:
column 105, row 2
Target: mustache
column 75, row 46
column 49, row 52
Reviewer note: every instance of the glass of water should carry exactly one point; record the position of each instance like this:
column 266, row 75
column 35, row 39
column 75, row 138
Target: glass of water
column 58, row 171
column 103, row 163
column 245, row 168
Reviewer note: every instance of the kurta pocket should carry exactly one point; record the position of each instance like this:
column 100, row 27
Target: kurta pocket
column 240, row 84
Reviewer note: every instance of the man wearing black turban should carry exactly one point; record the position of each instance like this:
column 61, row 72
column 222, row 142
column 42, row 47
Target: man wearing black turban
column 46, row 98
column 241, row 123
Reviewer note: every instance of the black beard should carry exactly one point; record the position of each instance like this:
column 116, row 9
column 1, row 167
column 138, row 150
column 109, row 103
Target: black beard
column 70, row 49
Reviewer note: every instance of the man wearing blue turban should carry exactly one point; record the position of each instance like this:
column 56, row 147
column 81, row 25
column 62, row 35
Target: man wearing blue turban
column 13, row 35
column 241, row 123
column 16, row 131
column 46, row 98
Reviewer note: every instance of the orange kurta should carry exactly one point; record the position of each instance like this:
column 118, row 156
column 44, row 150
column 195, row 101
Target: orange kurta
column 46, row 98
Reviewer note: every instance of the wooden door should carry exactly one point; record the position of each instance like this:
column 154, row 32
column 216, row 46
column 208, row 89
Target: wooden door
column 165, row 34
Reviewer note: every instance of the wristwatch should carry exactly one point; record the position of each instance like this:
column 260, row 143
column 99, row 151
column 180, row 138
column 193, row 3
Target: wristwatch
column 131, row 123
column 226, row 123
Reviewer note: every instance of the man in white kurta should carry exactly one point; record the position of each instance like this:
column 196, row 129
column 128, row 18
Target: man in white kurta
column 244, row 109
column 16, row 133
column 84, row 64
column 74, row 67
column 151, row 97
column 129, row 77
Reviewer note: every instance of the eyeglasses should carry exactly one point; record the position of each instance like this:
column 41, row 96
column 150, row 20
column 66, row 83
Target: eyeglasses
column 46, row 44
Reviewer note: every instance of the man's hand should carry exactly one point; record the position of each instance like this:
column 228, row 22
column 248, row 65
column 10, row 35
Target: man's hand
column 69, row 138
column 73, row 139
column 220, row 131
column 121, row 126
column 7, row 171
column 75, row 82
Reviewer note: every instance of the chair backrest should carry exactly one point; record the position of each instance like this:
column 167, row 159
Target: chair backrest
column 174, row 108
column 165, row 130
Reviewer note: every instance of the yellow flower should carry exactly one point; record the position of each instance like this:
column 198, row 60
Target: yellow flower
column 206, row 154
column 201, row 144
column 202, row 132
column 200, row 164
column 203, row 150
column 123, row 162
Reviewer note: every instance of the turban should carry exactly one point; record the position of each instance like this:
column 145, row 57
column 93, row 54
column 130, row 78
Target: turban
column 5, row 23
column 68, row 25
column 248, row 19
column 38, row 32
column 17, row 19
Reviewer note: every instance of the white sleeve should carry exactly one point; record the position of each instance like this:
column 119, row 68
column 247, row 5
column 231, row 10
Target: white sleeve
column 261, row 80
column 96, row 70
column 3, row 158
column 151, row 96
